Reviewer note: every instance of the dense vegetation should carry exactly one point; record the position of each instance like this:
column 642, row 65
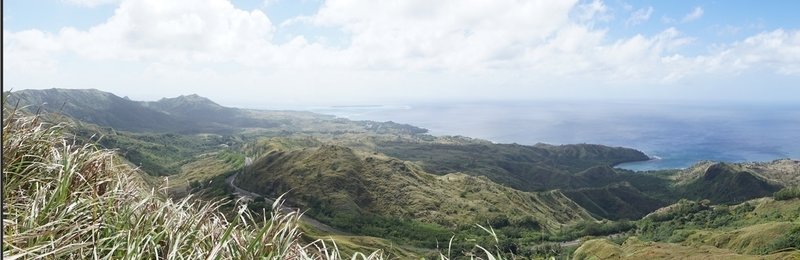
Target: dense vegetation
column 787, row 193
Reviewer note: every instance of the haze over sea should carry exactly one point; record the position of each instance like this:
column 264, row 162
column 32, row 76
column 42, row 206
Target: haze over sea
column 676, row 135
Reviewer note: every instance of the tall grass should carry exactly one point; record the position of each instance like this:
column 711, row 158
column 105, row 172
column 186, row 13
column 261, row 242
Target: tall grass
column 63, row 199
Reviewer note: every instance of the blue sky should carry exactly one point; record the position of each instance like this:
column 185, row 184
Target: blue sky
column 352, row 52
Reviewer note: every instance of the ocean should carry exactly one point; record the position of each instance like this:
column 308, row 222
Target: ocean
column 675, row 135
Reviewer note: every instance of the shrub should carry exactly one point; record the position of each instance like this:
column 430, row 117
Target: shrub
column 787, row 193
column 788, row 241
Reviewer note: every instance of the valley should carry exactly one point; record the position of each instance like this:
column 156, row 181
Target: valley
column 394, row 187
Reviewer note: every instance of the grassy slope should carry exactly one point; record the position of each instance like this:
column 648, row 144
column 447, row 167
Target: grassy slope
column 633, row 195
column 380, row 196
column 634, row 248
column 760, row 227
column 785, row 171
column 616, row 201
column 757, row 228
column 371, row 183
column 213, row 167
column 204, row 168
column 723, row 183
column 582, row 172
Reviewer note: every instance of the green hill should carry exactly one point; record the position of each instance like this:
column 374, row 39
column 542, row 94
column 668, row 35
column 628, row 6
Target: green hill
column 523, row 167
column 757, row 229
column 616, row 201
column 634, row 248
column 633, row 195
column 783, row 171
column 725, row 183
column 342, row 186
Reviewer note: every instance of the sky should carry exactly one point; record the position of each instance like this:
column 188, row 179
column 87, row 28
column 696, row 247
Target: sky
column 280, row 53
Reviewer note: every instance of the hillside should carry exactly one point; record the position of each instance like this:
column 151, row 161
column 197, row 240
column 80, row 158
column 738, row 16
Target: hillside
column 784, row 171
column 523, row 167
column 631, row 196
column 637, row 249
column 342, row 186
column 616, row 201
column 757, row 229
column 724, row 183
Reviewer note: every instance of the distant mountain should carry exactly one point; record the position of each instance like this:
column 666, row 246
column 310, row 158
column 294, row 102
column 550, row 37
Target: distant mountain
column 200, row 109
column 191, row 106
column 183, row 114
column 98, row 107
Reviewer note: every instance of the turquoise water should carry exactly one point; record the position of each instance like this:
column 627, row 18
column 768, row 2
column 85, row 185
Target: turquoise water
column 678, row 135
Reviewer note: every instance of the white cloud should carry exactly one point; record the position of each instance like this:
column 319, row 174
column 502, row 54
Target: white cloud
column 29, row 51
column 174, row 31
column 442, row 34
column 777, row 50
column 594, row 10
column 268, row 3
column 91, row 3
column 395, row 49
column 696, row 13
column 639, row 16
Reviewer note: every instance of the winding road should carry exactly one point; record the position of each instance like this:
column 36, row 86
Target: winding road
column 252, row 195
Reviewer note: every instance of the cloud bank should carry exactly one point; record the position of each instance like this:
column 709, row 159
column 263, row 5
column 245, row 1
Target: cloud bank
column 394, row 49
